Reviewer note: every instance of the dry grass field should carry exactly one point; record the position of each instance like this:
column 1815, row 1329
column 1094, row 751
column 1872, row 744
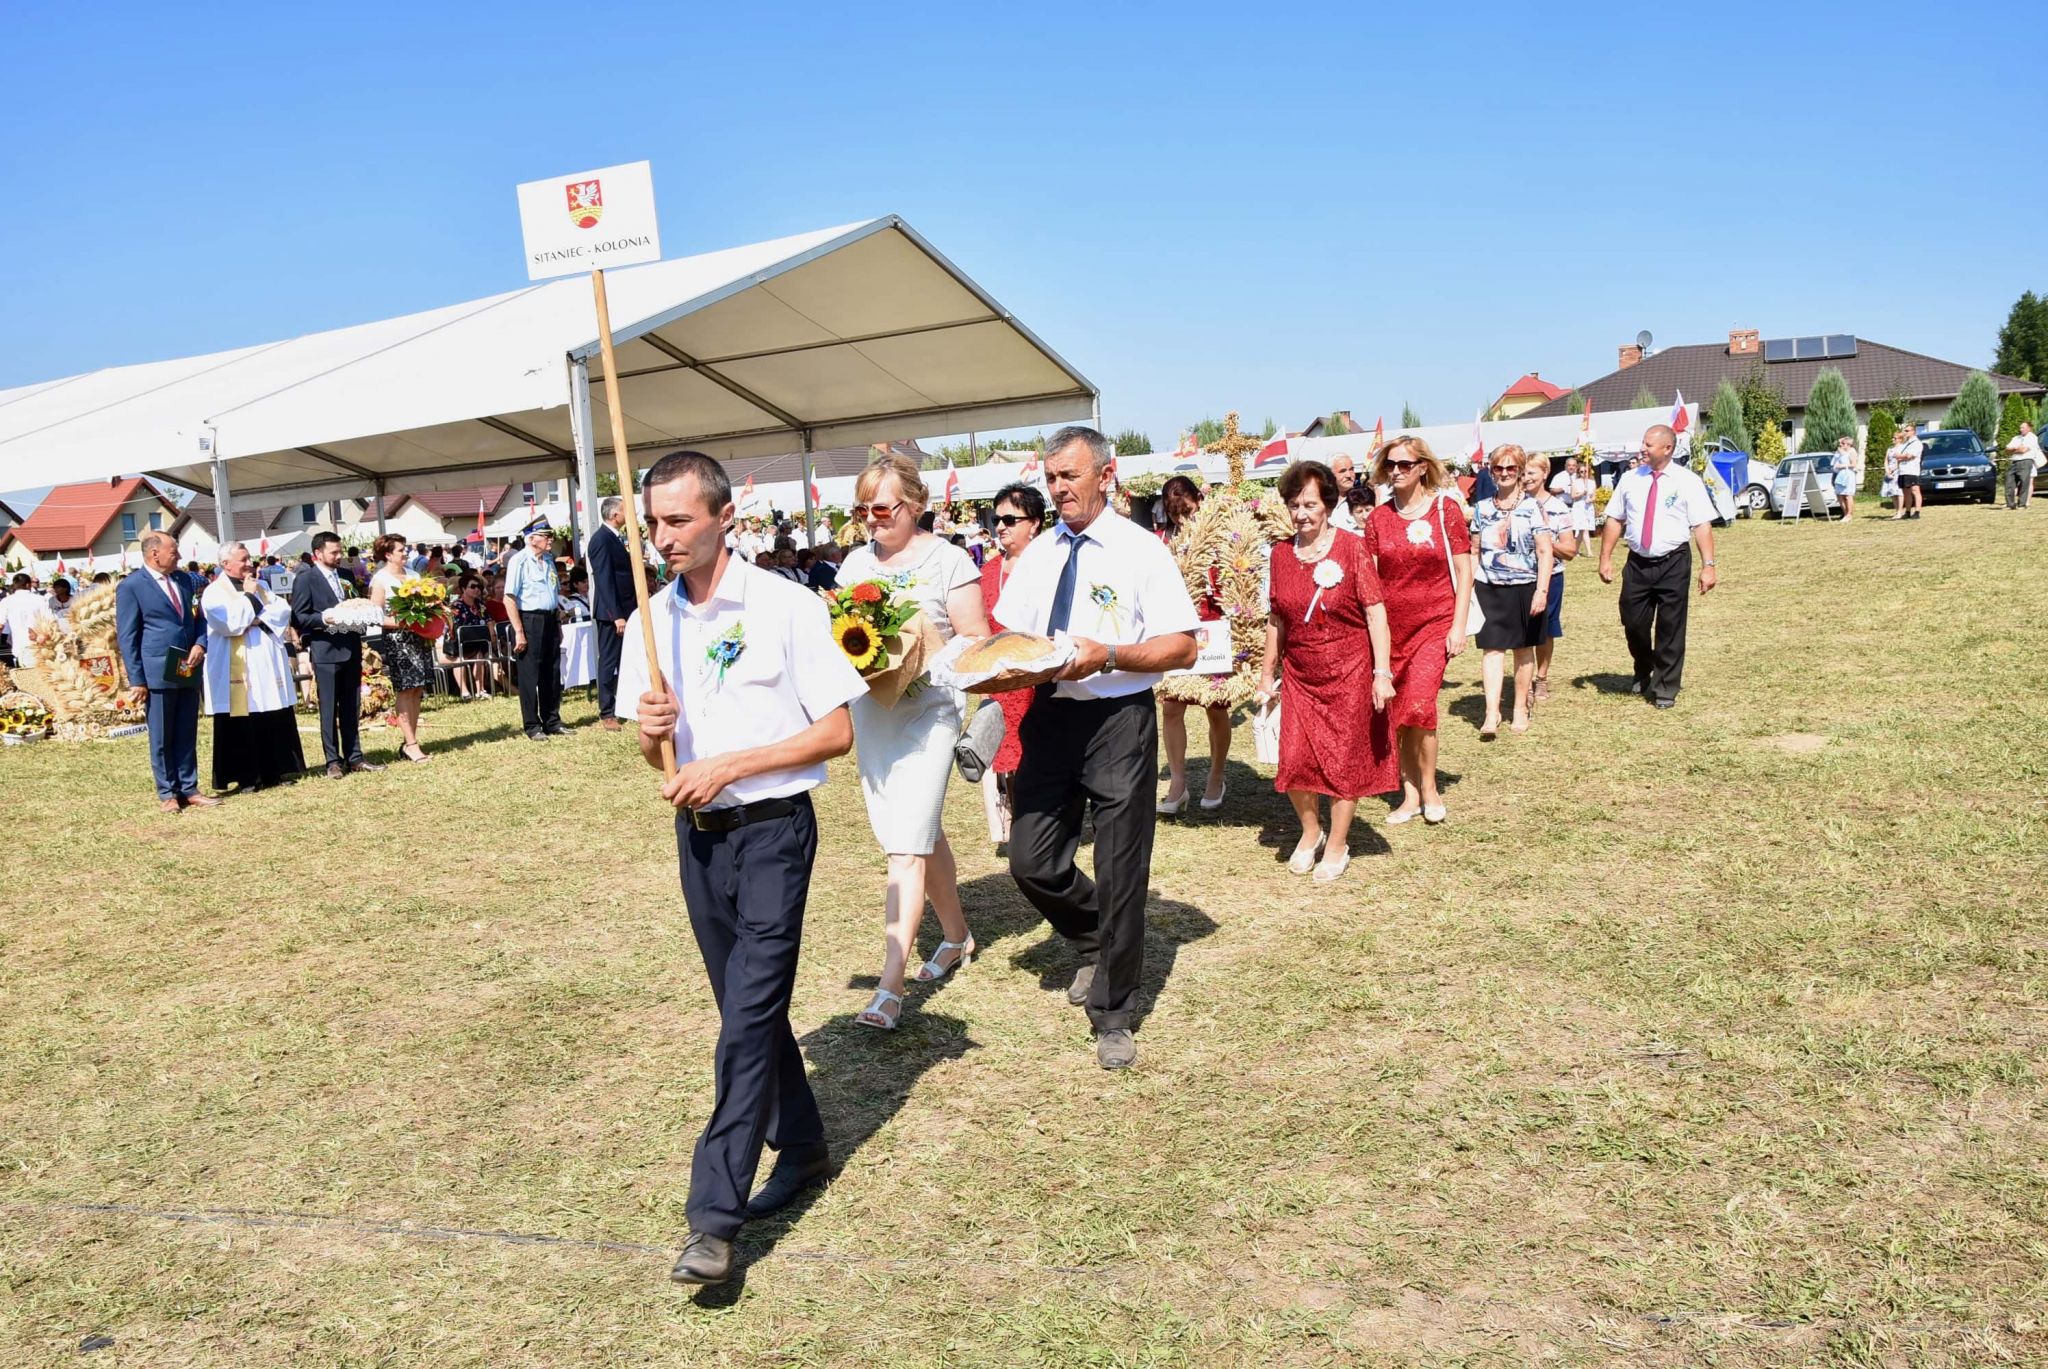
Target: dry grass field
column 1704, row 1037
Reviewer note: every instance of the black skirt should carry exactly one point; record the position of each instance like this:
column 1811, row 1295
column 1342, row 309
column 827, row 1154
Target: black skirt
column 408, row 659
column 1508, row 622
column 257, row 750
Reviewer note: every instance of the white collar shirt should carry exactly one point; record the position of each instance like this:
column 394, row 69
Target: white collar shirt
column 1343, row 517
column 1127, row 589
column 1682, row 505
column 787, row 675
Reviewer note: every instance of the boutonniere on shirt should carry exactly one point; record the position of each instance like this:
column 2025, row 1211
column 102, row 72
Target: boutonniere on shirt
column 1104, row 599
column 726, row 650
column 1329, row 575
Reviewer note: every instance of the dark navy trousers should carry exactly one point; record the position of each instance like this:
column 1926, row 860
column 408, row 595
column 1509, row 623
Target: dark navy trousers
column 746, row 891
column 174, row 741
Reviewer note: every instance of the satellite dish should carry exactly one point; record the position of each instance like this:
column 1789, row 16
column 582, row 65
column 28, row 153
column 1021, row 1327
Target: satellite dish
column 1643, row 339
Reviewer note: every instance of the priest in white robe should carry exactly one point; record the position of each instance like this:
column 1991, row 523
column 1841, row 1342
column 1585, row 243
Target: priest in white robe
column 249, row 689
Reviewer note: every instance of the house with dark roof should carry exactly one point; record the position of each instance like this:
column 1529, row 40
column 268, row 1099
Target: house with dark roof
column 8, row 517
column 1524, row 395
column 1323, row 427
column 89, row 523
column 1874, row 371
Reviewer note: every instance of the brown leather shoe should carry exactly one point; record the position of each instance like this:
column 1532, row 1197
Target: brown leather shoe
column 201, row 801
column 363, row 768
column 610, row 724
column 334, row 770
column 171, row 806
column 705, row 1259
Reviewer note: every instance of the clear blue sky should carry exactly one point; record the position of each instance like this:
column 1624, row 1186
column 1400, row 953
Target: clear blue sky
column 1277, row 208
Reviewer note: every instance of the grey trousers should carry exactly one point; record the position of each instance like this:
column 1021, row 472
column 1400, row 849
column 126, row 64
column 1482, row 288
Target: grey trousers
column 2019, row 483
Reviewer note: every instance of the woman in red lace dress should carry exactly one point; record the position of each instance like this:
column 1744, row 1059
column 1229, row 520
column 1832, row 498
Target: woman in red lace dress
column 1328, row 636
column 1422, row 549
column 1019, row 514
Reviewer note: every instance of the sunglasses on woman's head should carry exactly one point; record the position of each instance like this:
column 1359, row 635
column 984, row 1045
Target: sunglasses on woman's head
column 1010, row 520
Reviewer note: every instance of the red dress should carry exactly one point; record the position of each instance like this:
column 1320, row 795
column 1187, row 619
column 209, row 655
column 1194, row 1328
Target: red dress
column 1015, row 703
column 1332, row 740
column 1421, row 600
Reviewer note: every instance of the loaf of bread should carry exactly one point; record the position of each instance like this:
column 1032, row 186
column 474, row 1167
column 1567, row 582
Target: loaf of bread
column 1005, row 648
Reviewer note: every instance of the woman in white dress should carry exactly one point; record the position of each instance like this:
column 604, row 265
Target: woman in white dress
column 906, row 751
column 249, row 690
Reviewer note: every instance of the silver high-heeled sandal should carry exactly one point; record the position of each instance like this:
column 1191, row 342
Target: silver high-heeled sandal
column 933, row 970
column 873, row 1016
column 1170, row 808
column 1211, row 805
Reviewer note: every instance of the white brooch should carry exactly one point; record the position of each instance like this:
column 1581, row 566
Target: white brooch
column 1329, row 575
column 1419, row 533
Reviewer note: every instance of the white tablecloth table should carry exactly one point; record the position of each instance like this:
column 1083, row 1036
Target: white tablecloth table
column 579, row 654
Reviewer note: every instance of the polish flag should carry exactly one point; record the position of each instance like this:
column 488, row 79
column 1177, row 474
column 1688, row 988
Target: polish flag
column 1586, row 425
column 952, row 481
column 817, row 498
column 747, row 495
column 1379, row 432
column 92, row 562
column 1187, row 445
column 1274, row 452
column 1477, row 456
column 60, row 567
column 1030, row 471
column 263, row 545
column 478, row 536
column 1678, row 419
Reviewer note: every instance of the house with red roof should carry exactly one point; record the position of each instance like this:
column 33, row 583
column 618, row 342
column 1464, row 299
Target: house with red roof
column 89, row 524
column 1524, row 395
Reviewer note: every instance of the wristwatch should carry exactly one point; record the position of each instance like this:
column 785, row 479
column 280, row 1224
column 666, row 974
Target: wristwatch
column 1109, row 664
column 1706, row 563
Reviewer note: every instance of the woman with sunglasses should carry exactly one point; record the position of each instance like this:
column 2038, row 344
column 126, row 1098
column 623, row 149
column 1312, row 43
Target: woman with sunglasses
column 906, row 751
column 1422, row 551
column 1019, row 514
column 1514, row 546
column 1564, row 546
column 1180, row 498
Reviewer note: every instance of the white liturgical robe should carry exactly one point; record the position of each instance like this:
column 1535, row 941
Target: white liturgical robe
column 248, row 669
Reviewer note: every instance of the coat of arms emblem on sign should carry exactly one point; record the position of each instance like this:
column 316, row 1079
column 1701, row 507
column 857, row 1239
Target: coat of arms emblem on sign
column 586, row 203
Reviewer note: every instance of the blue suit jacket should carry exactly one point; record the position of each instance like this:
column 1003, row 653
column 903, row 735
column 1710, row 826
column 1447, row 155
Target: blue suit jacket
column 147, row 627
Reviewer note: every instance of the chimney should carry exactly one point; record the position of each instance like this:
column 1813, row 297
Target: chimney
column 1742, row 342
column 1630, row 355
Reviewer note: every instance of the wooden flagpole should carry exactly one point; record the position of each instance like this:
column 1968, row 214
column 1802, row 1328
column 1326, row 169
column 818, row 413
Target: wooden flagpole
column 632, row 505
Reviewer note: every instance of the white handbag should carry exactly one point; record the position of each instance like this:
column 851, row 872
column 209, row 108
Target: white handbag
column 1266, row 733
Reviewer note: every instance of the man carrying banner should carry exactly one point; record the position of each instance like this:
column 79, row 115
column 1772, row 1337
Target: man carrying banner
column 754, row 695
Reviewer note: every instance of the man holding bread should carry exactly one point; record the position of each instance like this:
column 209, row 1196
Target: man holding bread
column 1092, row 737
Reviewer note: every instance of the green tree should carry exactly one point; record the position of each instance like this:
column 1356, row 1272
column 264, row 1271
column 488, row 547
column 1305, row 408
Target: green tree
column 1646, row 398
column 1877, row 440
column 1336, row 425
column 1975, row 407
column 1576, row 404
column 1724, row 419
column 1770, row 444
column 2023, row 341
column 1131, row 442
column 1409, row 418
column 1207, row 431
column 1270, row 428
column 1830, row 413
column 1763, row 404
column 2018, row 409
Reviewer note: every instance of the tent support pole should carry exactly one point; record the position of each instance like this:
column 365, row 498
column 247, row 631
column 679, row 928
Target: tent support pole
column 810, row 507
column 380, row 508
column 586, row 448
column 223, row 502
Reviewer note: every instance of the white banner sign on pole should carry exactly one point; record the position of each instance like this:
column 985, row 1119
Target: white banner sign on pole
column 589, row 221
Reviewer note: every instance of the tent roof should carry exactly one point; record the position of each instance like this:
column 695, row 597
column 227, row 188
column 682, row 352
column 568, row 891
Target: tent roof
column 855, row 334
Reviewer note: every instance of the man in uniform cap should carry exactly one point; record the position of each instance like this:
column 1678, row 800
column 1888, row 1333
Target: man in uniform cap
column 533, row 594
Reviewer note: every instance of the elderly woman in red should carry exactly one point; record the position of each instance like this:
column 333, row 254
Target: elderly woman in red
column 1420, row 545
column 1328, row 637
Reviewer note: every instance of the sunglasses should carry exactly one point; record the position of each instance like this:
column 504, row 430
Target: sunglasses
column 884, row 512
column 1509, row 469
column 1011, row 520
column 1398, row 466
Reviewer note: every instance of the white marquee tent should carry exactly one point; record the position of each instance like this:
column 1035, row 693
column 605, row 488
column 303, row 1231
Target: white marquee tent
column 839, row 337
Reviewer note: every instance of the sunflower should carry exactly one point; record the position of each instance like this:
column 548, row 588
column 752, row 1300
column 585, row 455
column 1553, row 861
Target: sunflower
column 858, row 640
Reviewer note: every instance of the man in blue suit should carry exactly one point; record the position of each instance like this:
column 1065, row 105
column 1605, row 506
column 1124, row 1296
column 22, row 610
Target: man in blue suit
column 156, row 613
column 611, row 603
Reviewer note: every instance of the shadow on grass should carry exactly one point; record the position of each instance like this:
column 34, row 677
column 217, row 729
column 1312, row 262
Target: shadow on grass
column 1605, row 682
column 862, row 1078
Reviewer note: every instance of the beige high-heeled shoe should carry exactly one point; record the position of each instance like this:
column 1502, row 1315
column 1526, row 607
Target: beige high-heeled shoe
column 932, row 971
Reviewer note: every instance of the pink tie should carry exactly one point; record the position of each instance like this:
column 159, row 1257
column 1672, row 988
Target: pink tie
column 1650, row 511
column 172, row 590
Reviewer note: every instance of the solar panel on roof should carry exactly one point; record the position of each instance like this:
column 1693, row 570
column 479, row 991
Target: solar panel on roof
column 1778, row 349
column 1841, row 344
column 1812, row 348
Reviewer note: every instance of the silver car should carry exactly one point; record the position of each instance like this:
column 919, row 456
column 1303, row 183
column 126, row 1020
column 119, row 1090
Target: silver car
column 1789, row 481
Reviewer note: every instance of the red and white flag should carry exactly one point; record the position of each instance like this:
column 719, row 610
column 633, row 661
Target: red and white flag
column 263, row 545
column 952, row 481
column 1379, row 432
column 60, row 567
column 1679, row 422
column 1477, row 456
column 478, row 536
column 1030, row 471
column 1586, row 425
column 747, row 495
column 92, row 562
column 817, row 498
column 1187, row 445
column 1273, row 452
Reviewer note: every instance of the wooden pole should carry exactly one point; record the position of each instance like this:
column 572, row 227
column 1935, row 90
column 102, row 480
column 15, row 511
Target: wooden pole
column 632, row 506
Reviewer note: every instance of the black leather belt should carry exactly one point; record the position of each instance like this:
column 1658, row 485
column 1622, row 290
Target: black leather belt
column 740, row 815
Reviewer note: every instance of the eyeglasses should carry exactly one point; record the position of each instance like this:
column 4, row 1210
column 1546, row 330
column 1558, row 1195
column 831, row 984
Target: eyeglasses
column 1011, row 520
column 1398, row 466
column 883, row 512
column 1509, row 469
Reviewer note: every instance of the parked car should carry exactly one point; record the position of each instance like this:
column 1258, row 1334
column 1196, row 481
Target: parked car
column 1955, row 466
column 1751, row 495
column 1788, row 483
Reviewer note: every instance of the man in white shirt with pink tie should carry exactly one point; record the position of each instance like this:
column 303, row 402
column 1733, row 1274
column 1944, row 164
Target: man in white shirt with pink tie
column 1660, row 508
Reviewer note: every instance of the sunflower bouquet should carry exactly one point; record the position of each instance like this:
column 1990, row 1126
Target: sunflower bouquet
column 420, row 605
column 23, row 717
column 884, row 635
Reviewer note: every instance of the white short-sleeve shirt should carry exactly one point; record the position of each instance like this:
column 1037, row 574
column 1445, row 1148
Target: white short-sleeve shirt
column 1682, row 505
column 942, row 569
column 788, row 672
column 1127, row 589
